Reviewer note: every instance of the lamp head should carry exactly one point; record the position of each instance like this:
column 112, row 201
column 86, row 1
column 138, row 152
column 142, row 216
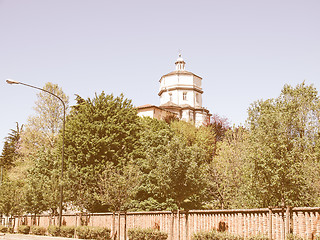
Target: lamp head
column 11, row 81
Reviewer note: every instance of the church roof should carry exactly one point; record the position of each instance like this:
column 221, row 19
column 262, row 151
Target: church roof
column 180, row 72
column 170, row 104
column 149, row 106
column 146, row 106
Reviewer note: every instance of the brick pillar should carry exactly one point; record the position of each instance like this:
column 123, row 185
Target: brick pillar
column 302, row 224
column 308, row 225
column 283, row 224
column 288, row 219
column 245, row 224
column 317, row 223
column 295, row 223
column 119, row 225
column 241, row 225
column 270, row 224
column 172, row 226
column 125, row 225
column 186, row 226
column 312, row 222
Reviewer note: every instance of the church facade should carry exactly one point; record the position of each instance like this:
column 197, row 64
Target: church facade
column 180, row 95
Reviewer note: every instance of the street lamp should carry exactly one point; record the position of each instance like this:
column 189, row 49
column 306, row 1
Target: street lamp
column 10, row 81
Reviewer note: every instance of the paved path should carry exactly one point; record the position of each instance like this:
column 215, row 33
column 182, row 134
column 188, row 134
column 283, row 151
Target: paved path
column 29, row 237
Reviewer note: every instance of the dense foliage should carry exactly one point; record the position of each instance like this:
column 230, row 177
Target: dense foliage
column 117, row 161
column 284, row 148
column 88, row 232
column 37, row 230
column 146, row 234
column 99, row 131
column 24, row 229
column 215, row 235
column 10, row 151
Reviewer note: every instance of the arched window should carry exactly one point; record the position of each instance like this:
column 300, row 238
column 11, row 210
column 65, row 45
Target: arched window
column 184, row 96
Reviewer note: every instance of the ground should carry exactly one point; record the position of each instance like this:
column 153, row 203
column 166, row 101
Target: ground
column 28, row 237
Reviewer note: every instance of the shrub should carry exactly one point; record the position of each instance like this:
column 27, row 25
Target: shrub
column 100, row 233
column 3, row 229
column 67, row 231
column 86, row 232
column 293, row 237
column 24, row 229
column 54, row 231
column 258, row 237
column 146, row 234
column 214, row 235
column 36, row 230
column 83, row 232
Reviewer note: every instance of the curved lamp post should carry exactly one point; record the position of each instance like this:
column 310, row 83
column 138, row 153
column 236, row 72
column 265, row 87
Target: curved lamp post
column 10, row 81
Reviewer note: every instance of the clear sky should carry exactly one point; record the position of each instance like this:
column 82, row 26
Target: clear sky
column 244, row 50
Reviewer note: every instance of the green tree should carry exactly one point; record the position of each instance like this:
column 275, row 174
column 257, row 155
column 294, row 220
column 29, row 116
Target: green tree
column 98, row 131
column 118, row 186
column 172, row 161
column 11, row 198
column 153, row 136
column 284, row 147
column 227, row 175
column 10, row 149
column 41, row 189
column 204, row 136
column 38, row 149
column 178, row 174
column 42, row 129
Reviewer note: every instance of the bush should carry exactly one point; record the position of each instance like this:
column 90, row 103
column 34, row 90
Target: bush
column 54, row 231
column 24, row 229
column 3, row 229
column 146, row 234
column 67, row 231
column 215, row 235
column 293, row 237
column 86, row 232
column 100, row 233
column 36, row 230
column 83, row 232
column 258, row 237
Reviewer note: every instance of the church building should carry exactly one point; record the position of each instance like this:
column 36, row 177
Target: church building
column 180, row 95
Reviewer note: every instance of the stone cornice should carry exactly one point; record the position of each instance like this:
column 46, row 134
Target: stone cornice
column 180, row 72
column 178, row 108
column 194, row 88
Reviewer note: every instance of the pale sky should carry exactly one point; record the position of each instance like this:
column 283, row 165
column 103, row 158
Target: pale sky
column 244, row 50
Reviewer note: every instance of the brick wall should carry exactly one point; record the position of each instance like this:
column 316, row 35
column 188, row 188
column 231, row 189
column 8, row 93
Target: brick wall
column 276, row 222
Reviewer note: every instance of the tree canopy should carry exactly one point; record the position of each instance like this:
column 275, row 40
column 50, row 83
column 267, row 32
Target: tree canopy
column 99, row 131
column 116, row 160
column 284, row 147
